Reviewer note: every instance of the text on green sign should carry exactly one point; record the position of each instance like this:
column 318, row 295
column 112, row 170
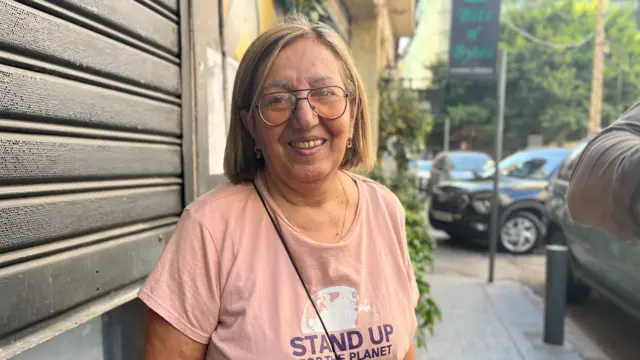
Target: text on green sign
column 466, row 54
column 470, row 15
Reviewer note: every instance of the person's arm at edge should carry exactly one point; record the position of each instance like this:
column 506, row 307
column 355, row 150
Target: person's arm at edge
column 182, row 294
column 603, row 191
column 411, row 354
column 167, row 342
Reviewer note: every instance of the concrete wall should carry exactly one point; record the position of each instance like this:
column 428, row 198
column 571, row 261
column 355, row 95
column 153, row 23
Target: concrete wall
column 373, row 44
column 365, row 40
column 431, row 40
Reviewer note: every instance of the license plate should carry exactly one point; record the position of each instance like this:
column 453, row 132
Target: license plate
column 442, row 216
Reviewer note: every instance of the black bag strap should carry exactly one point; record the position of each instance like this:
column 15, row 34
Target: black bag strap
column 295, row 267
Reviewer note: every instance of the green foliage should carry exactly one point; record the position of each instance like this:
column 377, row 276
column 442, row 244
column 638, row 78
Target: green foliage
column 548, row 89
column 315, row 10
column 403, row 128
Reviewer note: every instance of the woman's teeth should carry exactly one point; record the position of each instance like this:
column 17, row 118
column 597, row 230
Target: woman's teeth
column 307, row 144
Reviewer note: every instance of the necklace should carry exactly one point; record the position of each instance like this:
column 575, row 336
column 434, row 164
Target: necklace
column 341, row 230
column 340, row 234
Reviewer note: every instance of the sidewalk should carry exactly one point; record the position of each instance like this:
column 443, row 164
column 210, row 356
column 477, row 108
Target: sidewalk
column 494, row 322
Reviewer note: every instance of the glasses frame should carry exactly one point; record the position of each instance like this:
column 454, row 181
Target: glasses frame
column 346, row 103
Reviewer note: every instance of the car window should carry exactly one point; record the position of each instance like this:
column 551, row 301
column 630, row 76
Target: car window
column 469, row 162
column 424, row 166
column 570, row 164
column 532, row 164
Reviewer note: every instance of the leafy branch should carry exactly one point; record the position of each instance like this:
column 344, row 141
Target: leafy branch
column 403, row 128
column 315, row 10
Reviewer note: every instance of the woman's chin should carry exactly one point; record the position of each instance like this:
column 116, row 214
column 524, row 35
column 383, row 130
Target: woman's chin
column 310, row 173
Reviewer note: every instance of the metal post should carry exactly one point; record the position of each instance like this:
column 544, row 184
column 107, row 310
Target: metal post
column 597, row 77
column 443, row 95
column 556, row 293
column 495, row 214
column 447, row 136
column 619, row 90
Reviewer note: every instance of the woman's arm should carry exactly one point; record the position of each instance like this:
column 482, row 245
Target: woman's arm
column 163, row 341
column 411, row 354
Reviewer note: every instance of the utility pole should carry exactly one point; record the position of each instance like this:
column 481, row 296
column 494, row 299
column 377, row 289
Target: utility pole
column 447, row 135
column 595, row 109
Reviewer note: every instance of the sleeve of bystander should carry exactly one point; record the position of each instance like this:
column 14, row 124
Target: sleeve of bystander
column 604, row 191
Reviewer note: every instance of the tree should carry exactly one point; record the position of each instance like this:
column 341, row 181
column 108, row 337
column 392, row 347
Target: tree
column 315, row 10
column 547, row 88
column 403, row 128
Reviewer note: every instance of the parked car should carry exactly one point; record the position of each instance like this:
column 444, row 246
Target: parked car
column 597, row 259
column 463, row 208
column 455, row 165
column 422, row 171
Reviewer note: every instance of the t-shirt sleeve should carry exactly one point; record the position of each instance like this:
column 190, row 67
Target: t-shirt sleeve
column 184, row 286
column 604, row 188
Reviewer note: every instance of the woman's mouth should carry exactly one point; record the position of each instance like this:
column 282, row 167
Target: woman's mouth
column 309, row 144
column 307, row 147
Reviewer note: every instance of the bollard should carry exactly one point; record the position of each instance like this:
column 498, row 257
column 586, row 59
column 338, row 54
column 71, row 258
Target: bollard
column 556, row 293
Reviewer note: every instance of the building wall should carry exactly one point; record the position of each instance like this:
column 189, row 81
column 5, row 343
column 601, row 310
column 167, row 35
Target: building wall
column 431, row 41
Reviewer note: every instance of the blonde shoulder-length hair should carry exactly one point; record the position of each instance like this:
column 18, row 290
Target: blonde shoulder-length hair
column 240, row 161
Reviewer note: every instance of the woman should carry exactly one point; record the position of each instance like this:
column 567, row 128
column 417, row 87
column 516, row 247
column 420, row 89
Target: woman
column 296, row 258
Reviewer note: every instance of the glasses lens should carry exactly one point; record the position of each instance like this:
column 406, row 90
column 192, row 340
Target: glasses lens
column 277, row 108
column 329, row 102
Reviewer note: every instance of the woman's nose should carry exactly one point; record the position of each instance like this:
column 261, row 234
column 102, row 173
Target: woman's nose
column 304, row 117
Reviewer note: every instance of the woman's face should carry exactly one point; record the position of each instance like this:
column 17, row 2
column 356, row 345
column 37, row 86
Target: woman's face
column 307, row 148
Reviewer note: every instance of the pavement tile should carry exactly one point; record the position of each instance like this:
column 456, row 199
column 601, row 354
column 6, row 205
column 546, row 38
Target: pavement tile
column 501, row 321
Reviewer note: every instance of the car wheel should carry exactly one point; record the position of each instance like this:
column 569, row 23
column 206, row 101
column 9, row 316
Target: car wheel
column 521, row 233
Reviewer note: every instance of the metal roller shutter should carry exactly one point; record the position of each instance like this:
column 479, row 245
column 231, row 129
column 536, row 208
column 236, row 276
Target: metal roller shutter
column 91, row 158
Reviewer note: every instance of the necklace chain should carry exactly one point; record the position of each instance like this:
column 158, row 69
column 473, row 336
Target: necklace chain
column 340, row 233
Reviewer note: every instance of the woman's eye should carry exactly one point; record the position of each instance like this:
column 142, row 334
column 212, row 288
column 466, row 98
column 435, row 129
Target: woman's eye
column 278, row 99
column 327, row 92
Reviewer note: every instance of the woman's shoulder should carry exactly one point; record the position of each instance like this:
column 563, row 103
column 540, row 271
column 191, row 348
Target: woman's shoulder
column 223, row 201
column 373, row 190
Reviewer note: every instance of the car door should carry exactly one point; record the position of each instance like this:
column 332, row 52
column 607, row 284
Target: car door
column 622, row 258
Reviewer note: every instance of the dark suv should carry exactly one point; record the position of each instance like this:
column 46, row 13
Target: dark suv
column 598, row 259
column 462, row 208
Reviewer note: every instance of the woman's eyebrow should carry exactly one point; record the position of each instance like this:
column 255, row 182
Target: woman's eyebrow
column 278, row 84
column 287, row 85
column 321, row 78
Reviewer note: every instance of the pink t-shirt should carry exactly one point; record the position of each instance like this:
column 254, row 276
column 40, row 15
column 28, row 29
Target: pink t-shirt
column 225, row 280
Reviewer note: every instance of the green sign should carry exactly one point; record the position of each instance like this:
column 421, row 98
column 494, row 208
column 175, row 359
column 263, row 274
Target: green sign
column 473, row 45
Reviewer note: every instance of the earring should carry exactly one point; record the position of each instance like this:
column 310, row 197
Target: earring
column 258, row 152
column 349, row 142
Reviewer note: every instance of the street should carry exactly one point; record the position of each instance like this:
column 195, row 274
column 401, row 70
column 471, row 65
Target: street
column 612, row 330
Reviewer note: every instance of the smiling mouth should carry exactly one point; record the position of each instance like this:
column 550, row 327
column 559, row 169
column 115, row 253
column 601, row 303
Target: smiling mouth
column 307, row 144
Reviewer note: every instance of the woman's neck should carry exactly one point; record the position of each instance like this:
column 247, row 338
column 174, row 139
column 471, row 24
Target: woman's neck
column 313, row 195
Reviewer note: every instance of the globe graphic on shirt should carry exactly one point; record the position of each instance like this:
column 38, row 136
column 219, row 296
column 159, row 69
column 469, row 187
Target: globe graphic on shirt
column 338, row 306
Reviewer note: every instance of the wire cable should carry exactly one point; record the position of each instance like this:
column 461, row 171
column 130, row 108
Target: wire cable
column 556, row 46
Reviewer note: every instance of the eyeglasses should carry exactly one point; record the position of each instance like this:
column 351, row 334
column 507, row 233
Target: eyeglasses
column 329, row 102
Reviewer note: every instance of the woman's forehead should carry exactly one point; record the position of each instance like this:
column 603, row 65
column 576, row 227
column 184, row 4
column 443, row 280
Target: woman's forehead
column 305, row 62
